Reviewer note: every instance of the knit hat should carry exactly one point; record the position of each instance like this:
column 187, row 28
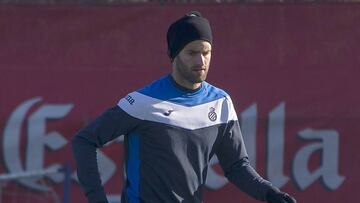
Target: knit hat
column 189, row 28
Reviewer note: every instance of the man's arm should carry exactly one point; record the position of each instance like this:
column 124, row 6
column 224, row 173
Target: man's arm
column 234, row 161
column 111, row 124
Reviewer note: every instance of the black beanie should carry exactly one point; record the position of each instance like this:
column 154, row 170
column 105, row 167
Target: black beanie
column 189, row 28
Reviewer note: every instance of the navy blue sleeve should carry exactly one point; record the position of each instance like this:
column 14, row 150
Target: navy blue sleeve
column 111, row 124
column 236, row 166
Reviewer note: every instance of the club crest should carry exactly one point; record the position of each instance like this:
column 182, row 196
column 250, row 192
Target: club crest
column 212, row 114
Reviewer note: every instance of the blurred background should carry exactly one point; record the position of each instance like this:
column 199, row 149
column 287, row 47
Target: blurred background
column 291, row 67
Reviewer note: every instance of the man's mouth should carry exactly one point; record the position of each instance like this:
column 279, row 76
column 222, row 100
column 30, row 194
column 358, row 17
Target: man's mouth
column 198, row 69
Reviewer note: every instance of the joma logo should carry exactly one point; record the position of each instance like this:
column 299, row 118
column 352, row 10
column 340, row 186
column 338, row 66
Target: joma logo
column 130, row 99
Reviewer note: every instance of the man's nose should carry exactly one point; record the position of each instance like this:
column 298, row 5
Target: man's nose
column 200, row 60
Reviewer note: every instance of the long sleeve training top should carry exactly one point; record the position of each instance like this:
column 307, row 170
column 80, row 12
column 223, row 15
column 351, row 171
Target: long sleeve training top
column 170, row 136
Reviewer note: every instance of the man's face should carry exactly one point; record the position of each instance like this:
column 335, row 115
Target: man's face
column 191, row 65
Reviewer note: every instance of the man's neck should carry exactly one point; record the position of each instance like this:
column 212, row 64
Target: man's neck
column 182, row 85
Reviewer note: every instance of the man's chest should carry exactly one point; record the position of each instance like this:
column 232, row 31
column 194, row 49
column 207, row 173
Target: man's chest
column 187, row 117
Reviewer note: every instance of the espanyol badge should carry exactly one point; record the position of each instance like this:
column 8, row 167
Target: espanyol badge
column 212, row 115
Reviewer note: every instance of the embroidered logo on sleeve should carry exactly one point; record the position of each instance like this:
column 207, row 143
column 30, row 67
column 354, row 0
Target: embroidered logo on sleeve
column 212, row 114
column 130, row 99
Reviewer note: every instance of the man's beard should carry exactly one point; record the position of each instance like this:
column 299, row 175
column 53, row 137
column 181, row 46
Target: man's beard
column 187, row 72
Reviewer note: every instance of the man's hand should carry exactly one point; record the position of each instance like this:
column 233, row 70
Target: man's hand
column 274, row 195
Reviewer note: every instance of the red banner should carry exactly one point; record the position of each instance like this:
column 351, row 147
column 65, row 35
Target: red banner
column 290, row 69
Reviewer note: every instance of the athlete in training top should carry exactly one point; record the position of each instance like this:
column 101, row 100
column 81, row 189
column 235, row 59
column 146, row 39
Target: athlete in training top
column 172, row 128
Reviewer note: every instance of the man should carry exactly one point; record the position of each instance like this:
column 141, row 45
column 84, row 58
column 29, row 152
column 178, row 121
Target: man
column 172, row 128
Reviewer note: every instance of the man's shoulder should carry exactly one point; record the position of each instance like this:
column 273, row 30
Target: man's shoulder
column 149, row 90
column 216, row 91
column 159, row 89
